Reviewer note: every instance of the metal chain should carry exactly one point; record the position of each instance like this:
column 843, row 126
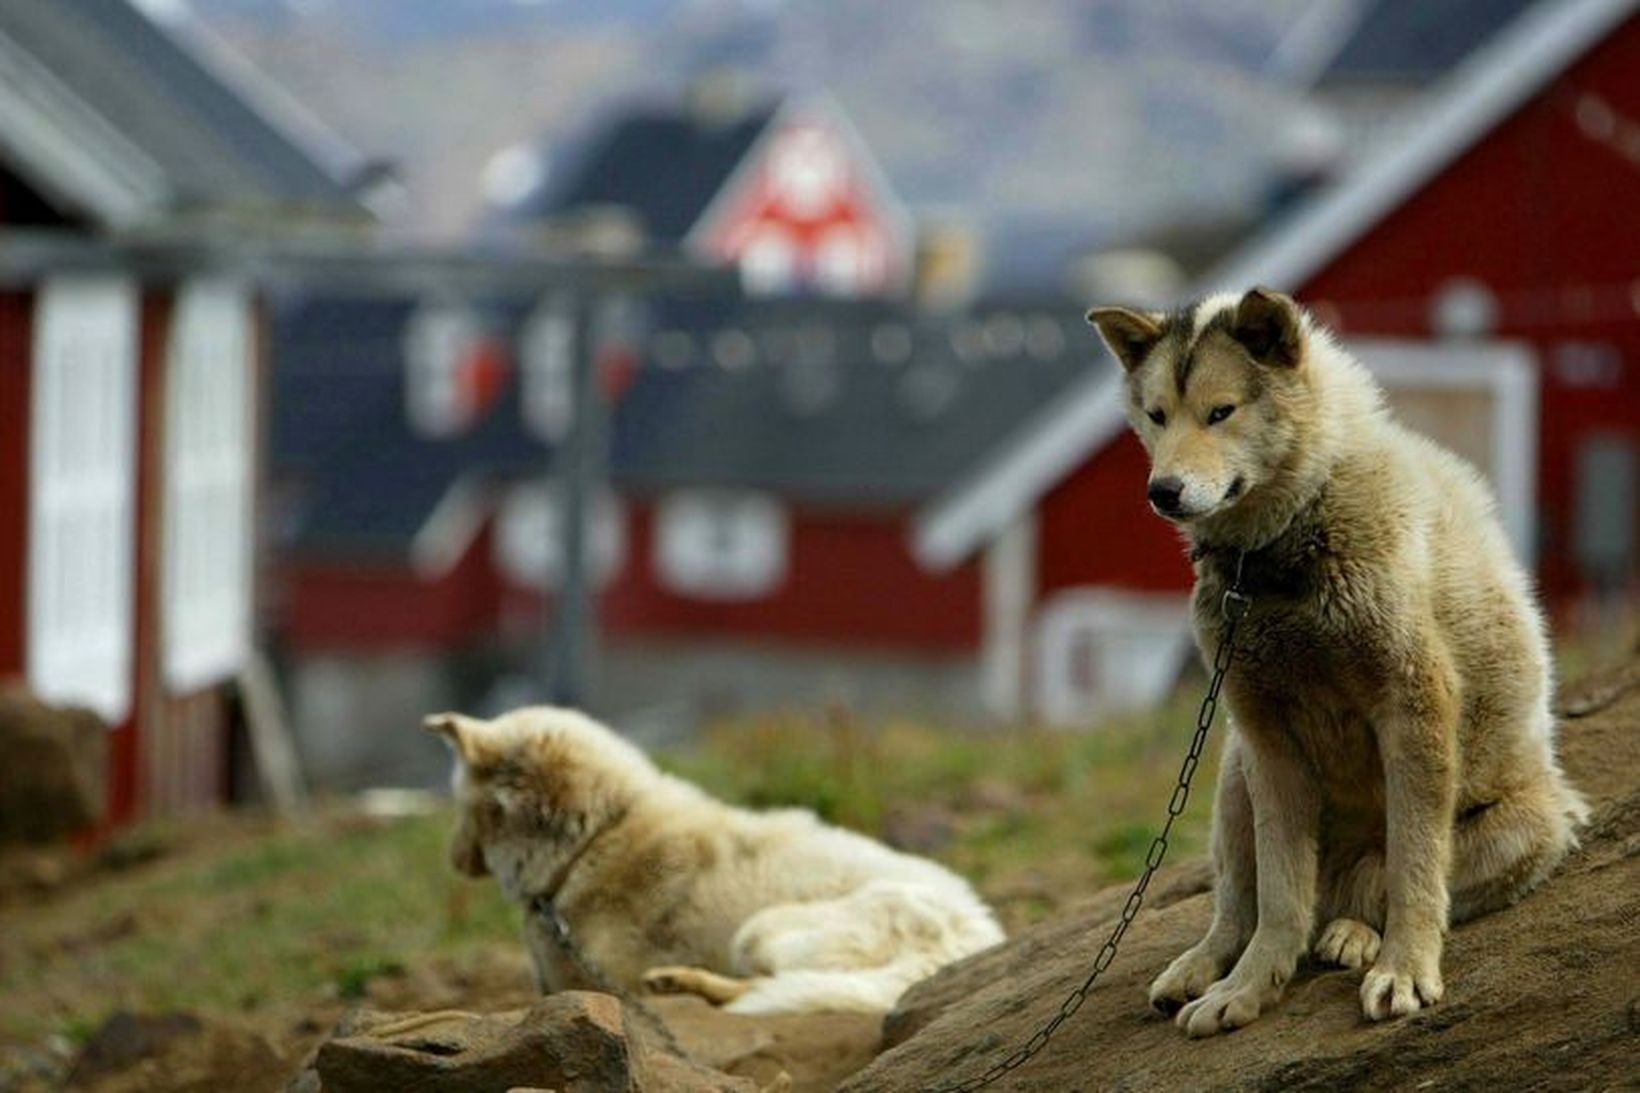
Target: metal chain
column 595, row 979
column 1234, row 606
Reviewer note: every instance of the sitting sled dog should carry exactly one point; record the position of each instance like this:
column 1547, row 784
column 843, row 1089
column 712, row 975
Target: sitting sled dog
column 657, row 885
column 1390, row 763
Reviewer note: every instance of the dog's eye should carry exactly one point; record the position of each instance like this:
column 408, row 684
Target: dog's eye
column 1219, row 413
column 1157, row 416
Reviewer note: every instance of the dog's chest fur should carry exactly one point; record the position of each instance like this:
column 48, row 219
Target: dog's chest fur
column 1309, row 659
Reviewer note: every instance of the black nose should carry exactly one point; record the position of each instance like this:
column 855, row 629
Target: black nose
column 1164, row 494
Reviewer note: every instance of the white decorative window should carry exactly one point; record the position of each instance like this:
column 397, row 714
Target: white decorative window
column 768, row 264
column 721, row 546
column 841, row 263
column 529, row 541
column 548, row 344
column 82, row 477
column 209, row 432
column 439, row 341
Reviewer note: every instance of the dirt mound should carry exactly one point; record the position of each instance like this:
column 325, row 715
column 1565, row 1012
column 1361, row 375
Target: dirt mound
column 177, row 1052
column 1537, row 996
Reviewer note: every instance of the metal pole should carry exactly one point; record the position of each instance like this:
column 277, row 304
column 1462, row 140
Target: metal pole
column 577, row 471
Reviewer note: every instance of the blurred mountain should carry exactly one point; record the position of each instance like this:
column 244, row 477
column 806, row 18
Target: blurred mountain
column 1049, row 125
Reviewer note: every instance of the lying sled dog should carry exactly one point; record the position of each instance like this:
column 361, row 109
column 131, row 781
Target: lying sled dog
column 1390, row 764
column 660, row 886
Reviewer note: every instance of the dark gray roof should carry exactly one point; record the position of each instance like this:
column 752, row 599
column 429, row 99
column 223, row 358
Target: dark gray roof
column 816, row 406
column 663, row 165
column 213, row 149
column 1417, row 41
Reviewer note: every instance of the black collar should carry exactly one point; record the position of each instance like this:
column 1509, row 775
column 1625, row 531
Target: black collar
column 544, row 902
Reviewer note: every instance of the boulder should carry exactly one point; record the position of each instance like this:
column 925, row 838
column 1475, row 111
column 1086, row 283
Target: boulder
column 1537, row 995
column 54, row 778
column 572, row 1042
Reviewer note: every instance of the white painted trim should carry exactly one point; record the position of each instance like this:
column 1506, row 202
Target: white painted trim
column 1509, row 371
column 443, row 538
column 1110, row 623
column 1010, row 590
column 65, row 148
column 901, row 225
column 885, row 197
column 1489, row 86
column 1047, row 448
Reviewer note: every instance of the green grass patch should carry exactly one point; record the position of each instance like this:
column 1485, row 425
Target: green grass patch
column 257, row 922
column 245, row 917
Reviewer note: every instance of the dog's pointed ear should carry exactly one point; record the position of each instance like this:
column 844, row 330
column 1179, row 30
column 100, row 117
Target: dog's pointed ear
column 458, row 729
column 1269, row 326
column 1130, row 334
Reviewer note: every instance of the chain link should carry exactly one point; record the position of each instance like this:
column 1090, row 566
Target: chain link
column 1234, row 607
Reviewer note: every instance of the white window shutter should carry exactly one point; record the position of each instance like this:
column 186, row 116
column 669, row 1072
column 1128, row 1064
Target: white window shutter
column 721, row 546
column 437, row 340
column 549, row 371
column 209, row 493
column 82, row 481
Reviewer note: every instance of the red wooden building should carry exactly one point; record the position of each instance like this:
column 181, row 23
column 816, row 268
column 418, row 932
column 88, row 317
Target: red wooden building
column 765, row 460
column 130, row 380
column 1486, row 265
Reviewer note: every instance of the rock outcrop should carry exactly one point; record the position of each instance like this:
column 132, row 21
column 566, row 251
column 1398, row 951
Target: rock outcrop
column 573, row 1042
column 1542, row 995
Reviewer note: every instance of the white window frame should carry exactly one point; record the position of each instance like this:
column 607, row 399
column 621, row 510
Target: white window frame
column 754, row 525
column 1137, row 645
column 82, row 493
column 529, row 537
column 1508, row 372
column 207, row 579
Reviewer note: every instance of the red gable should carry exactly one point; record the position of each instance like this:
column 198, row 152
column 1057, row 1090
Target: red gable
column 807, row 209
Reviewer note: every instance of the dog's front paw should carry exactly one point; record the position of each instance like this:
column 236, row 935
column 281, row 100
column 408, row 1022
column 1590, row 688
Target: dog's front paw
column 1228, row 1004
column 1187, row 978
column 1349, row 943
column 1395, row 988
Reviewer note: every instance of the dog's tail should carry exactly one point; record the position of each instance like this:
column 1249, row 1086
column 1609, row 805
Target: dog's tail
column 804, row 990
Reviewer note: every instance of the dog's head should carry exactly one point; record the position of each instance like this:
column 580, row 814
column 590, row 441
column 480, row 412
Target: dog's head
column 1212, row 392
column 531, row 784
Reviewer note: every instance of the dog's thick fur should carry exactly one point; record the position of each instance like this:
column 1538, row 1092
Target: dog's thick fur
column 1390, row 764
column 665, row 888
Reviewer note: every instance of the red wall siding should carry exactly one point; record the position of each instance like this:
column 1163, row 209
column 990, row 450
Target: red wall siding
column 851, row 579
column 1544, row 214
column 16, row 326
column 1097, row 529
column 383, row 604
column 131, row 739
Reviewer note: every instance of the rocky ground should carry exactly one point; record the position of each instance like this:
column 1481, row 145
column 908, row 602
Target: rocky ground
column 1542, row 996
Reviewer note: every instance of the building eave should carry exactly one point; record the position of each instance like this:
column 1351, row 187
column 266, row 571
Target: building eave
column 1489, row 87
column 63, row 148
